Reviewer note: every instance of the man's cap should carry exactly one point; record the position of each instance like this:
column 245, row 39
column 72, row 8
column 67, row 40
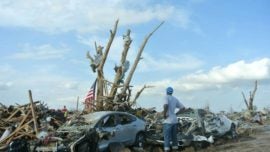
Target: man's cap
column 169, row 90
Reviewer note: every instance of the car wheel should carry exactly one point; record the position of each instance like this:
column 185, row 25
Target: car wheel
column 140, row 139
column 233, row 132
column 197, row 145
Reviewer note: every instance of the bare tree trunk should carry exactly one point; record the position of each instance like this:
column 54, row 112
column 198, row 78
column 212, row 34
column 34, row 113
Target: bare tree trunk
column 131, row 72
column 252, row 96
column 100, row 76
column 249, row 103
column 120, row 71
column 245, row 99
column 77, row 104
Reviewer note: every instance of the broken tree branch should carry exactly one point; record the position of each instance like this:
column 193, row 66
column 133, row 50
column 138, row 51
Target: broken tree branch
column 245, row 100
column 96, row 47
column 89, row 56
column 139, row 93
column 107, row 49
column 131, row 72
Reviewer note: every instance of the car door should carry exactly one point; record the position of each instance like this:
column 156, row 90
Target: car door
column 108, row 124
column 127, row 129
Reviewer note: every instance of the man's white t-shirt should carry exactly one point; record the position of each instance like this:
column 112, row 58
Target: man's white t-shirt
column 172, row 103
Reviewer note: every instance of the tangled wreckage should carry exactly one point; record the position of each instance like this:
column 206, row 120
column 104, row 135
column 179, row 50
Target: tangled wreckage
column 113, row 130
column 197, row 128
column 109, row 121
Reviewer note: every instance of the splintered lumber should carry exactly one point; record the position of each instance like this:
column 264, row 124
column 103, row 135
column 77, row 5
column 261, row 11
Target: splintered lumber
column 13, row 114
column 16, row 131
column 25, row 105
column 25, row 117
column 33, row 111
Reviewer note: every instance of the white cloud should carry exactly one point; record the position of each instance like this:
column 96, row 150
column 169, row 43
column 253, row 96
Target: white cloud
column 167, row 62
column 71, row 85
column 7, row 73
column 6, row 70
column 42, row 52
column 259, row 69
column 85, row 15
column 238, row 73
column 5, row 85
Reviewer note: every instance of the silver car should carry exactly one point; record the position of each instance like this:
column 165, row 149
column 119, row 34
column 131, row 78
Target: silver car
column 121, row 127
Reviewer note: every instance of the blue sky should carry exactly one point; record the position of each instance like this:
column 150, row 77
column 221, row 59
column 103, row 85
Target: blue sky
column 209, row 51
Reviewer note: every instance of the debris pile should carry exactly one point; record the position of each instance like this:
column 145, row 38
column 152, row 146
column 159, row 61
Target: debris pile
column 28, row 125
column 247, row 121
column 20, row 122
column 198, row 127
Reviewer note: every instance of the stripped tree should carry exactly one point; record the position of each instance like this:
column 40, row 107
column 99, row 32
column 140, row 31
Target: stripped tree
column 97, row 65
column 249, row 102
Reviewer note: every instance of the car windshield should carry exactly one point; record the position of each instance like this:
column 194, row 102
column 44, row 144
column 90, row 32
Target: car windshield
column 93, row 118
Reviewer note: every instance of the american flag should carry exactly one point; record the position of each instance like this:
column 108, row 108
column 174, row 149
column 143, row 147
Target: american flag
column 90, row 97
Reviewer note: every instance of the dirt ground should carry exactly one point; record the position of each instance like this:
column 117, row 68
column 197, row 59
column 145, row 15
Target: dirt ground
column 258, row 141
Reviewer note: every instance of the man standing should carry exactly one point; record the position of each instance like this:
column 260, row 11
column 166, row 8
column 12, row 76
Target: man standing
column 65, row 111
column 170, row 120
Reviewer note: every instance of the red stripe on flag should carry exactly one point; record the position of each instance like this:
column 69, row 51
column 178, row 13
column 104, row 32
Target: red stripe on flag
column 90, row 97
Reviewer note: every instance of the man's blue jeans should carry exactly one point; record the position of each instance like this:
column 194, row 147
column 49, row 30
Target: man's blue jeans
column 170, row 134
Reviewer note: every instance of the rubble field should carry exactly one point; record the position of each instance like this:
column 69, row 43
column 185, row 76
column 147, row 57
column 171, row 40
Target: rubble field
column 35, row 127
column 258, row 141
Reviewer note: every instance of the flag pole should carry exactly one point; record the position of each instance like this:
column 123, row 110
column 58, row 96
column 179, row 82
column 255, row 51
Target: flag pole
column 77, row 107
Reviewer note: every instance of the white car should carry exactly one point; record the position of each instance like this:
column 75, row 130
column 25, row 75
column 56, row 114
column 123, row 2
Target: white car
column 122, row 128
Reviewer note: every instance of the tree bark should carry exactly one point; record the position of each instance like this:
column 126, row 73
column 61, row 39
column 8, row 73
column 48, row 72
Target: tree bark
column 131, row 72
column 250, row 103
column 245, row 100
column 119, row 71
column 100, row 76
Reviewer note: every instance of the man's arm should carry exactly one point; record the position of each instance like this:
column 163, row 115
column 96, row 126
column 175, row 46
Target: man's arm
column 180, row 110
column 165, row 110
column 181, row 107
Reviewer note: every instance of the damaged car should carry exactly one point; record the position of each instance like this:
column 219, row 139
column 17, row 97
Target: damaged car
column 204, row 122
column 197, row 127
column 101, row 129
